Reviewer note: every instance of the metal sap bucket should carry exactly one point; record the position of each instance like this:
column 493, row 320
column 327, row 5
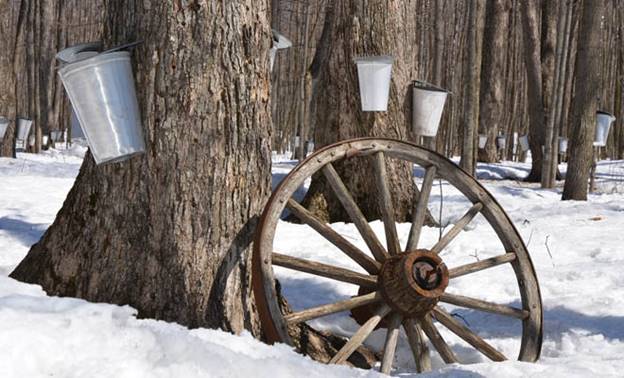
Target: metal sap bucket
column 482, row 141
column 428, row 103
column 563, row 145
column 501, row 142
column 23, row 128
column 603, row 124
column 76, row 129
column 102, row 93
column 524, row 142
column 4, row 125
column 56, row 135
column 374, row 73
column 310, row 146
column 279, row 42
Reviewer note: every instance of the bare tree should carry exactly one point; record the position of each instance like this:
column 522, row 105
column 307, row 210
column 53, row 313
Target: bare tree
column 585, row 101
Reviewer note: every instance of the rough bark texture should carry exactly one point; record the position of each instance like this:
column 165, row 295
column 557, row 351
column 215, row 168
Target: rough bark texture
column 530, row 24
column 362, row 29
column 470, row 118
column 9, row 15
column 168, row 232
column 491, row 112
column 585, row 101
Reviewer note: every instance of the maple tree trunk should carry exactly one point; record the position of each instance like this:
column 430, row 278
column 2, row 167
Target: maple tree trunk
column 169, row 232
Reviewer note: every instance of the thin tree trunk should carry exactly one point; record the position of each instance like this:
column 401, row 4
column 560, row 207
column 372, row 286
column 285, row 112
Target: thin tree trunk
column 585, row 102
column 9, row 20
column 472, row 78
column 531, row 39
column 491, row 112
column 169, row 232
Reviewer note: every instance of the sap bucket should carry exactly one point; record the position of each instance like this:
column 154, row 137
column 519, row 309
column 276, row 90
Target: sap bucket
column 103, row 96
column 374, row 73
column 563, row 145
column 603, row 124
column 428, row 103
column 501, row 142
column 23, row 129
column 524, row 142
column 4, row 125
column 482, row 141
column 279, row 42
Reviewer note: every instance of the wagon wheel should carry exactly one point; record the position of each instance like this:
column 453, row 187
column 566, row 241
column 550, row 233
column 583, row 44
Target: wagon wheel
column 401, row 289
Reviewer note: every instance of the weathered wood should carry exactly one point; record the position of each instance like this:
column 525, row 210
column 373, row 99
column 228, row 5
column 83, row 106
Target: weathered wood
column 420, row 209
column 477, row 304
column 467, row 335
column 437, row 340
column 457, row 228
column 417, row 344
column 385, row 204
column 354, row 212
column 324, row 270
column 481, row 265
column 365, row 261
column 392, row 336
column 332, row 308
column 358, row 338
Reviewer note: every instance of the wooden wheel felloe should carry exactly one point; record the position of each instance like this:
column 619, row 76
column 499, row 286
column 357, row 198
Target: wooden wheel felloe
column 398, row 288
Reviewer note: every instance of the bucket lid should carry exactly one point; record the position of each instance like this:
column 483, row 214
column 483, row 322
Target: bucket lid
column 79, row 52
column 605, row 113
column 382, row 59
column 280, row 41
column 428, row 86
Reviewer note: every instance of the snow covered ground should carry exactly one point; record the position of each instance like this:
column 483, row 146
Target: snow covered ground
column 576, row 248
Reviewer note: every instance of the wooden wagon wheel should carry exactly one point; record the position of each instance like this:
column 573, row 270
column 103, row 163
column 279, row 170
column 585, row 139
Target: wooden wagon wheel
column 404, row 288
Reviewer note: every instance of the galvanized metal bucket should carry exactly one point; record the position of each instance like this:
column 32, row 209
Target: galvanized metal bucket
column 563, row 145
column 501, row 142
column 374, row 74
column 4, row 125
column 57, row 135
column 279, row 42
column 103, row 96
column 524, row 142
column 23, row 128
column 482, row 141
column 428, row 103
column 603, row 124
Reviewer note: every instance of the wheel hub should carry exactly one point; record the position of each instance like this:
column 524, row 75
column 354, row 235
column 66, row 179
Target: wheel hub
column 412, row 282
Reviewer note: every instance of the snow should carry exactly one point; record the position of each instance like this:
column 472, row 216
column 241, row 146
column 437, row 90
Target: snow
column 575, row 247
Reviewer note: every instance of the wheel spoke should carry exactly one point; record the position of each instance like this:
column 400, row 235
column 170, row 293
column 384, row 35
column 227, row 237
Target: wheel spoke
column 354, row 212
column 467, row 335
column 364, row 260
column 438, row 341
column 457, row 228
column 392, row 336
column 481, row 265
column 385, row 204
column 358, row 338
column 332, row 308
column 418, row 345
column 420, row 209
column 477, row 304
column 323, row 270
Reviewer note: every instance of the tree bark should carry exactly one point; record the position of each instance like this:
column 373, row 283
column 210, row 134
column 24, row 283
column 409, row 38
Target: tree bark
column 585, row 101
column 491, row 112
column 361, row 29
column 530, row 25
column 9, row 19
column 169, row 232
column 472, row 78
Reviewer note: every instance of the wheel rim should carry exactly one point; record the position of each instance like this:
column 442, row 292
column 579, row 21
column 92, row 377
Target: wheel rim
column 382, row 296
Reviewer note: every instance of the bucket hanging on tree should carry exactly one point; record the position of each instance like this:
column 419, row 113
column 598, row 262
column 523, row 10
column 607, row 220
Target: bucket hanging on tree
column 524, row 142
column 603, row 124
column 374, row 74
column 563, row 145
column 4, row 125
column 482, row 141
column 23, row 129
column 428, row 103
column 501, row 142
column 103, row 96
column 279, row 42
